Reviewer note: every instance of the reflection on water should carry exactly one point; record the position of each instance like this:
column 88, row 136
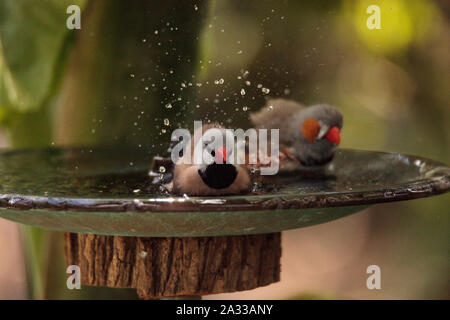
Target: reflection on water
column 124, row 173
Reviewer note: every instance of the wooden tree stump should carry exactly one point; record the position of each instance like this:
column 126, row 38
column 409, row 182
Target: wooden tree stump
column 183, row 266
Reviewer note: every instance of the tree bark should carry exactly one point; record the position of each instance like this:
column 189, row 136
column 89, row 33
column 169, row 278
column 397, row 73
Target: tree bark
column 169, row 267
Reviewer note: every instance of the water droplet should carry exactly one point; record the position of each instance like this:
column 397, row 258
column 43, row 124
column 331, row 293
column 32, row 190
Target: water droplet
column 169, row 106
column 389, row 194
column 195, row 7
column 131, row 164
column 245, row 108
column 242, row 92
column 248, row 83
column 156, row 31
column 265, row 90
column 137, row 190
column 143, row 254
column 131, row 75
column 166, row 122
column 162, row 169
column 259, row 86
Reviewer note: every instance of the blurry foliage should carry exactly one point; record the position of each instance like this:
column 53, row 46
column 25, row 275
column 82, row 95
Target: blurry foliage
column 32, row 53
column 137, row 58
column 32, row 38
column 131, row 59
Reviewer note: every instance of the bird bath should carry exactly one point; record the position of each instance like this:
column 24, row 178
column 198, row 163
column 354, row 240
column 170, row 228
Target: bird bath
column 123, row 230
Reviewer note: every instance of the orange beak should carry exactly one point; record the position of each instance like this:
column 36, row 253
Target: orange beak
column 221, row 155
column 334, row 135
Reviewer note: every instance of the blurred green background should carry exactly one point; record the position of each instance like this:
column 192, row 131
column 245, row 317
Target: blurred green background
column 138, row 69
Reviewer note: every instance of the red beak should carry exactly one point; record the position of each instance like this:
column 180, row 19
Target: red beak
column 221, row 155
column 334, row 135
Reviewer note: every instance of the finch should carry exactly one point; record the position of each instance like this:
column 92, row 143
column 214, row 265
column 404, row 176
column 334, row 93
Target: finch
column 218, row 177
column 308, row 135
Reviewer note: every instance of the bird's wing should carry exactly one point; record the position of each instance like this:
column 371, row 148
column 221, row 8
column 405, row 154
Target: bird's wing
column 275, row 113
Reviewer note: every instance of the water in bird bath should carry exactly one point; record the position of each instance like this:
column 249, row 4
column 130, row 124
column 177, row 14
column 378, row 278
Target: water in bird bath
column 124, row 173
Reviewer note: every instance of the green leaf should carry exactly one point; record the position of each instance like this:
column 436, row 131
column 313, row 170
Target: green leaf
column 32, row 37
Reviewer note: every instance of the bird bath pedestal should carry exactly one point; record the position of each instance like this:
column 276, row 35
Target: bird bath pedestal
column 176, row 266
column 124, row 231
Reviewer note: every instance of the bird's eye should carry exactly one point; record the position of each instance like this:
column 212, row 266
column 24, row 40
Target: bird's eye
column 213, row 153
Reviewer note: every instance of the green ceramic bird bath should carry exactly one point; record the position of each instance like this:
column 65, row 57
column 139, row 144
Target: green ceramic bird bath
column 108, row 191
column 125, row 230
